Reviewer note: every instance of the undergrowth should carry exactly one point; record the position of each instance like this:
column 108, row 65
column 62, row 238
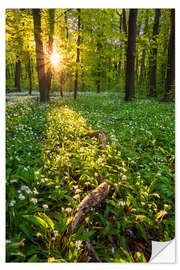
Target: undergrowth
column 52, row 166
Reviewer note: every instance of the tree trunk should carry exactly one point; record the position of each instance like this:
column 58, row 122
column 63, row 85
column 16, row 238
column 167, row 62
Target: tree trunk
column 66, row 26
column 50, row 48
column 18, row 76
column 131, row 49
column 153, row 56
column 125, row 43
column 83, row 81
column 143, row 57
column 78, row 55
column 30, row 76
column 170, row 78
column 61, row 83
column 141, row 76
column 40, row 57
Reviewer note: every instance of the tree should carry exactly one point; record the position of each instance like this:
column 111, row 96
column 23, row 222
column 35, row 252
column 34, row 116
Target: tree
column 18, row 76
column 51, row 13
column 29, row 75
column 131, row 49
column 78, row 54
column 143, row 55
column 40, row 57
column 170, row 78
column 153, row 56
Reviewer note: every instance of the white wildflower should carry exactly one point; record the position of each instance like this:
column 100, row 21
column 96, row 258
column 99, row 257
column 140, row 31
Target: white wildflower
column 142, row 203
column 13, row 181
column 122, row 203
column 76, row 196
column 77, row 191
column 124, row 177
column 45, row 206
column 21, row 197
column 56, row 233
column 8, row 241
column 96, row 174
column 38, row 234
column 87, row 219
column 26, row 189
column 12, row 203
column 35, row 191
column 33, row 200
column 87, row 183
column 68, row 210
column 78, row 244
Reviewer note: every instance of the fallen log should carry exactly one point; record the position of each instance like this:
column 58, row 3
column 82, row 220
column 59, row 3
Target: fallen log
column 91, row 200
column 98, row 134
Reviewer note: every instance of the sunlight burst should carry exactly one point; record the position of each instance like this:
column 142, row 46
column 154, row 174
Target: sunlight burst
column 55, row 58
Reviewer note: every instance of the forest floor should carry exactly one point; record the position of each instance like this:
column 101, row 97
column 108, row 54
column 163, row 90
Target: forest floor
column 51, row 166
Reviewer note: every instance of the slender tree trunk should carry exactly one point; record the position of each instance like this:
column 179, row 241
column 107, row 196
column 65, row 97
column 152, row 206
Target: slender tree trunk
column 141, row 76
column 66, row 26
column 78, row 55
column 8, row 74
column 40, row 57
column 83, row 81
column 137, row 53
column 50, row 48
column 131, row 49
column 170, row 78
column 18, row 76
column 61, row 83
column 125, row 43
column 143, row 57
column 153, row 56
column 30, row 76
column 99, row 67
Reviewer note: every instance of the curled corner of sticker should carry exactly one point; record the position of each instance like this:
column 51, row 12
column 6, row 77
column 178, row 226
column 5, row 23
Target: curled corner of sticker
column 163, row 252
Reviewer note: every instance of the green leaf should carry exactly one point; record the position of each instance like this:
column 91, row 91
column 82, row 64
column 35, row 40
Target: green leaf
column 86, row 235
column 37, row 221
column 47, row 220
column 145, row 219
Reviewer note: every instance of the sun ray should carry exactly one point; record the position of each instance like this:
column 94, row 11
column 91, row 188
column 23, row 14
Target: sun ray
column 55, row 58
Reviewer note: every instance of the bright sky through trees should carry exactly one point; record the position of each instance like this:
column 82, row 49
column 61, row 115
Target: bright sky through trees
column 55, row 58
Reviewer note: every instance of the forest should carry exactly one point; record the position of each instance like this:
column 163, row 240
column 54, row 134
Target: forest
column 90, row 133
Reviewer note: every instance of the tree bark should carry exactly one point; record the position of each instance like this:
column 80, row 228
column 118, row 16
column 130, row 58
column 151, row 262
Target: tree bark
column 40, row 57
column 153, row 56
column 29, row 75
column 50, row 47
column 78, row 55
column 141, row 76
column 61, row 83
column 18, row 76
column 131, row 49
column 125, row 43
column 143, row 57
column 170, row 79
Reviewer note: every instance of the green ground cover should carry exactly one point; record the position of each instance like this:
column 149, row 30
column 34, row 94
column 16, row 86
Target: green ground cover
column 51, row 166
